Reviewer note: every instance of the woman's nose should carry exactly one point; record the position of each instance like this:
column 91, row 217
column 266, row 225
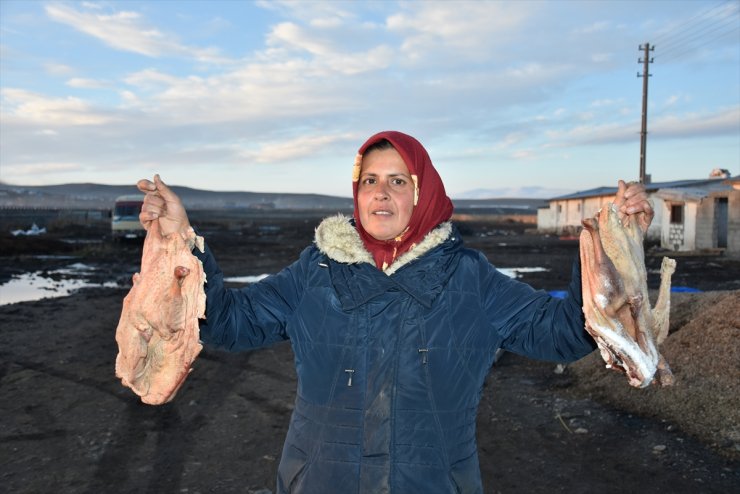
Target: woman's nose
column 381, row 191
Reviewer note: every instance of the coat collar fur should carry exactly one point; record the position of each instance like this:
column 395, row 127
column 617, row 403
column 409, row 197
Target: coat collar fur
column 338, row 239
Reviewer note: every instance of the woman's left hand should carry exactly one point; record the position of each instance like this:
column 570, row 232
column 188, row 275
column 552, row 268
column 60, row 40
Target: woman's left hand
column 632, row 199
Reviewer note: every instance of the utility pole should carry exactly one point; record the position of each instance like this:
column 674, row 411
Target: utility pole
column 643, row 133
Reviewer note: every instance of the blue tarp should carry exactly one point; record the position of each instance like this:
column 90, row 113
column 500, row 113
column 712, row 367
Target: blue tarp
column 685, row 289
column 677, row 289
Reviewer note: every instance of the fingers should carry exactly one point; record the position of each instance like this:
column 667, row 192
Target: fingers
column 153, row 206
column 146, row 186
column 621, row 190
column 636, row 199
column 146, row 218
column 156, row 198
column 163, row 190
column 157, row 186
column 163, row 205
column 152, row 209
column 641, row 206
column 633, row 199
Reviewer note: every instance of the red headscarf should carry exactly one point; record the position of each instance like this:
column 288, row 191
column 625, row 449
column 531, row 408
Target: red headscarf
column 431, row 205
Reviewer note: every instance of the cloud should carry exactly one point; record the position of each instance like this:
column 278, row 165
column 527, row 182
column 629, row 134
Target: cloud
column 255, row 92
column 595, row 27
column 292, row 37
column 47, row 132
column 317, row 13
column 535, row 72
column 125, row 31
column 320, row 43
column 510, row 140
column 55, row 68
column 602, row 57
column 296, row 148
column 672, row 100
column 471, row 31
column 690, row 125
column 471, row 80
column 20, row 104
column 600, row 103
column 523, row 155
column 82, row 83
column 151, row 79
column 35, row 172
column 312, row 69
column 694, row 125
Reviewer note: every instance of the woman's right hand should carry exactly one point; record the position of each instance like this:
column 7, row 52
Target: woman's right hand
column 160, row 203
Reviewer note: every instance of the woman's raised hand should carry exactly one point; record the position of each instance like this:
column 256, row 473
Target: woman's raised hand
column 160, row 203
column 632, row 199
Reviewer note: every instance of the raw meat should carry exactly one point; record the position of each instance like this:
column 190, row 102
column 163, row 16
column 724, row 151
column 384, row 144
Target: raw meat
column 157, row 334
column 615, row 297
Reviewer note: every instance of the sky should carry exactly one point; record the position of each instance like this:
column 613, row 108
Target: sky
column 510, row 98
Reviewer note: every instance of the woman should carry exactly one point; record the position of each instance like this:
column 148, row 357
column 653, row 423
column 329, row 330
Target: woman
column 394, row 325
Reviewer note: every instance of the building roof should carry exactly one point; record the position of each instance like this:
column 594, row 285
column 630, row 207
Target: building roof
column 682, row 194
column 733, row 181
column 705, row 183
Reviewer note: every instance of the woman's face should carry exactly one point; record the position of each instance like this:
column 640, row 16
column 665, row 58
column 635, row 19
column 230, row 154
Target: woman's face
column 385, row 195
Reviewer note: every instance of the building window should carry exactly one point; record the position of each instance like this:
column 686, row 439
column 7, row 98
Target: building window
column 677, row 214
column 560, row 208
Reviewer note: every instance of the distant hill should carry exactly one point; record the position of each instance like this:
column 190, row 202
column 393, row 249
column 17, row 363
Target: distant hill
column 530, row 192
column 99, row 196
column 506, row 205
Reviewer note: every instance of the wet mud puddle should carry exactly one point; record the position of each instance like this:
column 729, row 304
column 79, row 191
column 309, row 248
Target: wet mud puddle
column 64, row 281
column 60, row 282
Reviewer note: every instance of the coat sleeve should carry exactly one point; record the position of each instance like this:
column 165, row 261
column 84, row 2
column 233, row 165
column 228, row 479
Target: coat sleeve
column 250, row 317
column 531, row 322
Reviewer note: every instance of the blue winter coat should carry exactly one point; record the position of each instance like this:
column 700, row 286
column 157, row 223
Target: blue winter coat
column 390, row 364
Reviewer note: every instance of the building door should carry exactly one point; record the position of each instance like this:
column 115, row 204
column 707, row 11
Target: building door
column 720, row 215
column 676, row 226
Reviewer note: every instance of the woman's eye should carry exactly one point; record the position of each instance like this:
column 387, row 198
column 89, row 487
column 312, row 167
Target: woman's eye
column 368, row 181
column 398, row 181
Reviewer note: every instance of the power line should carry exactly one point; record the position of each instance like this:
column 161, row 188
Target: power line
column 700, row 30
column 712, row 24
column 725, row 25
column 687, row 49
column 708, row 26
column 675, row 33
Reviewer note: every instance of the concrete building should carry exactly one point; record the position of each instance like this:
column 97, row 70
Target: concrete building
column 689, row 214
column 715, row 217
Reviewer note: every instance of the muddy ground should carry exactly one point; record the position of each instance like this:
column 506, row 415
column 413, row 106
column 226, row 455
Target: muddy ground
column 67, row 425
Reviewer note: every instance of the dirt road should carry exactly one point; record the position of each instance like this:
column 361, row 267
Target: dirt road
column 67, row 425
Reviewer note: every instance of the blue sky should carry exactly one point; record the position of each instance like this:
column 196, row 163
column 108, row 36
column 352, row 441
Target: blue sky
column 277, row 96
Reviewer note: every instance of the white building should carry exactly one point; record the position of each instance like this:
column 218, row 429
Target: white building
column 689, row 214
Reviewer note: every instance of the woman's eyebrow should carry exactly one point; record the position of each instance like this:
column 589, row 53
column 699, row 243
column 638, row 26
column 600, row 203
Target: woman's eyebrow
column 396, row 174
column 377, row 176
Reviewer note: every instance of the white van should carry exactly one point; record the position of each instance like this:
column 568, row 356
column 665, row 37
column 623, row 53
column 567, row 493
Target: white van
column 125, row 218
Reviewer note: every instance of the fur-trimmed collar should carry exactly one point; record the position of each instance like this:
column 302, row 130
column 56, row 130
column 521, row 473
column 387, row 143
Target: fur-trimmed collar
column 337, row 238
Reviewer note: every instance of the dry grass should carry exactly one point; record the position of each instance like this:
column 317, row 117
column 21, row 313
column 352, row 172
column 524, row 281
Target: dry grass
column 703, row 351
